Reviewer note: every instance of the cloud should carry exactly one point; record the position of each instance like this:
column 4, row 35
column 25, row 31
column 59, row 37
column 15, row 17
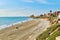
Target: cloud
column 9, row 12
column 19, row 12
column 39, row 1
column 14, row 12
column 43, row 2
column 27, row 0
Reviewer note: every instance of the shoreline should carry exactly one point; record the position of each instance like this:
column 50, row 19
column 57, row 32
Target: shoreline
column 32, row 27
column 20, row 22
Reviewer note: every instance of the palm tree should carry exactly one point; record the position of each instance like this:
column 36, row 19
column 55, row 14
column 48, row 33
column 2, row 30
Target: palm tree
column 50, row 11
column 51, row 17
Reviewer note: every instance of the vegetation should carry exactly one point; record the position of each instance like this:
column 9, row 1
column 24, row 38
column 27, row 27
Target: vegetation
column 50, row 33
column 54, row 35
column 46, row 34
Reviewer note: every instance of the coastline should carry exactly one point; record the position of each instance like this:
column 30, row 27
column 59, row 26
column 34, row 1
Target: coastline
column 20, row 22
column 32, row 28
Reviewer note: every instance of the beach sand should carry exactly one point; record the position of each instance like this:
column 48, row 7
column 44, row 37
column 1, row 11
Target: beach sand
column 20, row 31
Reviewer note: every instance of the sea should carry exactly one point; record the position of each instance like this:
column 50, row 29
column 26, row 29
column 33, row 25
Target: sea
column 6, row 21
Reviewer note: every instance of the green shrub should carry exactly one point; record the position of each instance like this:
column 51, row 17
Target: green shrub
column 46, row 33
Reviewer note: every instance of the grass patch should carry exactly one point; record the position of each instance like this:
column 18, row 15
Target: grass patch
column 54, row 35
column 46, row 33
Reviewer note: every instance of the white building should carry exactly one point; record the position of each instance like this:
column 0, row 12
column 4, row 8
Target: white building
column 59, row 16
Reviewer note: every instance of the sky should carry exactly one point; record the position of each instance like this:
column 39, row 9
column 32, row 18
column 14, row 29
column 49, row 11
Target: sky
column 27, row 7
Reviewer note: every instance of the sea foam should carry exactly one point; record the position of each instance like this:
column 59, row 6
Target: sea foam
column 5, row 26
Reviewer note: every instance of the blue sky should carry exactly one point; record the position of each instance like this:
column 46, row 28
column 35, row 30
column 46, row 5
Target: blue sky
column 27, row 7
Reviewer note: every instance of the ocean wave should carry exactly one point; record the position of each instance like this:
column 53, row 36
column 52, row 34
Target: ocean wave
column 5, row 26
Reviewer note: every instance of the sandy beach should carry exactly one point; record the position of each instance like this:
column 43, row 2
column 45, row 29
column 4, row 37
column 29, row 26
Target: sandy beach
column 24, row 31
